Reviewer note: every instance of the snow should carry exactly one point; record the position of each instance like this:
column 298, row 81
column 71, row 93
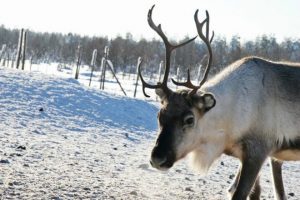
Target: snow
column 63, row 140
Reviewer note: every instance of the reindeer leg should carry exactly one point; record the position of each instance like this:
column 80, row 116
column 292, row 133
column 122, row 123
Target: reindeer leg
column 255, row 193
column 277, row 179
column 250, row 170
column 255, row 151
column 232, row 188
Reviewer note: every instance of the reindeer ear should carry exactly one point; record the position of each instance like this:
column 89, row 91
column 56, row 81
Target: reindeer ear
column 205, row 101
column 209, row 101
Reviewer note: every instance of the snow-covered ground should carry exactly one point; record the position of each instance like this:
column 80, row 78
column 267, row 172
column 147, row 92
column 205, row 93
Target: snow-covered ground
column 68, row 71
column 63, row 140
column 127, row 81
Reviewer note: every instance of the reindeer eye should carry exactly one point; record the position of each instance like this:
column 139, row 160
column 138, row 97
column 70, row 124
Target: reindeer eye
column 188, row 120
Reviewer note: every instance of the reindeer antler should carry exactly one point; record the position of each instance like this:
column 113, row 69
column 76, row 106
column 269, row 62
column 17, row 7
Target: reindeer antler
column 207, row 41
column 169, row 48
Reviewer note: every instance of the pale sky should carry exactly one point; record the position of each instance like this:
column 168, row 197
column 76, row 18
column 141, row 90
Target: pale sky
column 247, row 18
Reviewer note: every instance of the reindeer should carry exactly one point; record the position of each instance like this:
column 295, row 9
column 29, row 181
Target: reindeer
column 250, row 110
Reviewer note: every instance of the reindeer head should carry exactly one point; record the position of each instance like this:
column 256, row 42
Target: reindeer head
column 180, row 111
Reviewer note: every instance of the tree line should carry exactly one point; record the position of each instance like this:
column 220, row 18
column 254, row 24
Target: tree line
column 124, row 51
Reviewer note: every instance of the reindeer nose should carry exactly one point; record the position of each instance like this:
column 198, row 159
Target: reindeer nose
column 157, row 161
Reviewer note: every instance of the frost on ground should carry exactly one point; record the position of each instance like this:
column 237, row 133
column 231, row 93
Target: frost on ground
column 61, row 140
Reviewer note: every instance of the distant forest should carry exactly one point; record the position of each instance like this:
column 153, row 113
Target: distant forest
column 124, row 52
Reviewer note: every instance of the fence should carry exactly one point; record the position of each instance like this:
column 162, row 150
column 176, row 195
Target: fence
column 106, row 78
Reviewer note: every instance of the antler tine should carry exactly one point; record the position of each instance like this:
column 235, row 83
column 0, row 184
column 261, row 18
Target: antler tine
column 188, row 82
column 212, row 37
column 169, row 47
column 159, row 31
column 206, row 40
column 144, row 83
column 183, row 43
column 158, row 28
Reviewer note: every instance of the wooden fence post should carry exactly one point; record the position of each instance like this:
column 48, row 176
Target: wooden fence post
column 31, row 57
column 24, row 49
column 200, row 68
column 78, row 62
column 199, row 73
column 161, row 64
column 2, row 52
column 106, row 53
column 93, row 64
column 110, row 65
column 8, row 58
column 101, row 71
column 12, row 58
column 19, row 48
column 137, row 75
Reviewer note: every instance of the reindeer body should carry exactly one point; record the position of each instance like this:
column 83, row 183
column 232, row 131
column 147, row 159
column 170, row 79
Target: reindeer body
column 257, row 114
column 256, row 97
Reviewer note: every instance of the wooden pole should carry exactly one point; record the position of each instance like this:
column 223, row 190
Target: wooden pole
column 78, row 63
column 114, row 74
column 161, row 64
column 19, row 48
column 93, row 64
column 200, row 68
column 101, row 71
column 12, row 58
column 2, row 52
column 106, row 53
column 24, row 49
column 137, row 75
column 199, row 73
column 31, row 57
column 8, row 58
